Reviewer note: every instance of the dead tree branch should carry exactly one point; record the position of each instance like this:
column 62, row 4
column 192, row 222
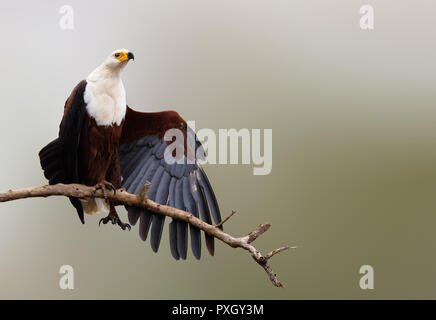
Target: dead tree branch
column 140, row 200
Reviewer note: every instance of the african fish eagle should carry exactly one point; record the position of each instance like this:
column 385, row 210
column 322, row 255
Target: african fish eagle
column 105, row 143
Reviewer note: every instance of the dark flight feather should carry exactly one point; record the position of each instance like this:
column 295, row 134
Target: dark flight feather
column 181, row 185
column 191, row 206
column 182, row 226
column 133, row 214
column 59, row 159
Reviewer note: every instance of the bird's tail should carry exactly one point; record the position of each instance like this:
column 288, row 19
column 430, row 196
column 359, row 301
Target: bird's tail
column 51, row 162
column 54, row 170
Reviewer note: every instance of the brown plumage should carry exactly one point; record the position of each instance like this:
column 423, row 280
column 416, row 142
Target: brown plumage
column 98, row 153
column 98, row 157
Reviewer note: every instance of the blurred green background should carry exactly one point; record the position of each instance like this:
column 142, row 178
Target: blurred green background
column 354, row 156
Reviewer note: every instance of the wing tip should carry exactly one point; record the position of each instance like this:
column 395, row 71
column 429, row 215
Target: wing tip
column 133, row 214
column 210, row 244
column 144, row 224
column 154, row 247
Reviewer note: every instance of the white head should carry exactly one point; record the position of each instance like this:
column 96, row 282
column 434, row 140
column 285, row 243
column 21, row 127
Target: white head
column 119, row 58
column 113, row 65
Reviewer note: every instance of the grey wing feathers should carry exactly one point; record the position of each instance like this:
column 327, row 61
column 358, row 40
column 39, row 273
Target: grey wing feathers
column 181, row 185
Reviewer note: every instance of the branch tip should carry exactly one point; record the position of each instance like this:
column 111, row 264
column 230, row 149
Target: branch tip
column 226, row 219
column 278, row 250
column 261, row 229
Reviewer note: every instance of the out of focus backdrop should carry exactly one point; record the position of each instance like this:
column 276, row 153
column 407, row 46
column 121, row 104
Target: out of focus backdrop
column 353, row 115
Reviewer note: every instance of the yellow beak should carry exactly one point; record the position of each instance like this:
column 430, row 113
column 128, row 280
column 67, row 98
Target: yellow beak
column 124, row 56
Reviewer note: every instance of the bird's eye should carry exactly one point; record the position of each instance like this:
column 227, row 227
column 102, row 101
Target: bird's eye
column 116, row 55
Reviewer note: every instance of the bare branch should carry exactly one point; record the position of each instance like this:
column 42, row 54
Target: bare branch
column 121, row 197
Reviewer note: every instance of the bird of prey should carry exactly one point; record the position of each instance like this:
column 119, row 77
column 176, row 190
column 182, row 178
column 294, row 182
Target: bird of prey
column 102, row 142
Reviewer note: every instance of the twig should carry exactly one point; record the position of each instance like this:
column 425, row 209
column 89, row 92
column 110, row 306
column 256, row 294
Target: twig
column 121, row 197
column 143, row 192
column 275, row 251
column 226, row 219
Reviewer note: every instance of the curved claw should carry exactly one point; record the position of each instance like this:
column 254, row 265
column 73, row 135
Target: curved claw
column 125, row 226
column 104, row 220
column 106, row 185
column 114, row 189
column 110, row 186
column 113, row 217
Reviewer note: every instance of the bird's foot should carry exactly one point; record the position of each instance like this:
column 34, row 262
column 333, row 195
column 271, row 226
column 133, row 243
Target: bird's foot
column 104, row 186
column 113, row 217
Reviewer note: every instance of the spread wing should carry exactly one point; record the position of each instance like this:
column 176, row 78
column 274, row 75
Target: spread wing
column 59, row 159
column 182, row 184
